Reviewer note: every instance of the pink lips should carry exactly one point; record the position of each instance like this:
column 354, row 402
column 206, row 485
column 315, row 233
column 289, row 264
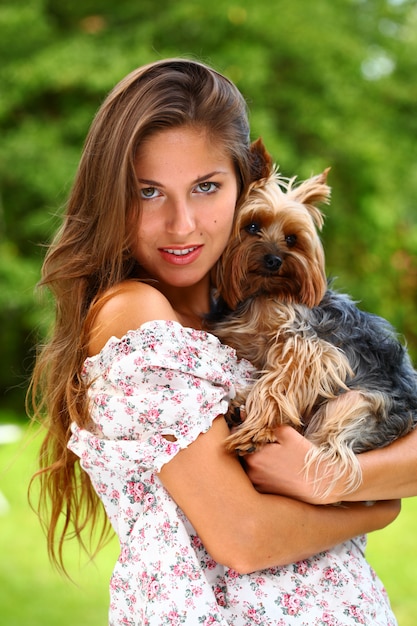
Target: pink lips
column 181, row 255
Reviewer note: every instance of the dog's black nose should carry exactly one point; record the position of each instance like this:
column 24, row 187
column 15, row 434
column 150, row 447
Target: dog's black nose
column 272, row 262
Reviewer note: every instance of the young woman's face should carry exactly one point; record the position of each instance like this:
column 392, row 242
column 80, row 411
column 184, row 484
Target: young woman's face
column 188, row 190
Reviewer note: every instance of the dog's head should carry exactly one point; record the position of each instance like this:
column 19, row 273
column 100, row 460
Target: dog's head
column 275, row 248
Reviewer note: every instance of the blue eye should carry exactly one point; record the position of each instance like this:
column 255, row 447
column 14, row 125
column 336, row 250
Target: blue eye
column 207, row 187
column 148, row 192
column 253, row 228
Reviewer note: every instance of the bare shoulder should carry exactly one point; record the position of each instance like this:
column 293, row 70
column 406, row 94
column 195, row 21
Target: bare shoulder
column 126, row 307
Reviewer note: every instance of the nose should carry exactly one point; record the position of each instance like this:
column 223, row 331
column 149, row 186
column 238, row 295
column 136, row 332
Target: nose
column 272, row 262
column 181, row 219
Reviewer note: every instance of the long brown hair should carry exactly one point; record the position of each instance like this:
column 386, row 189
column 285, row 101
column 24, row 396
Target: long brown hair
column 90, row 254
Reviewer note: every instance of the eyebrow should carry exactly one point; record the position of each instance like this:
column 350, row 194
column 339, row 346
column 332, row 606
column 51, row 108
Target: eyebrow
column 200, row 179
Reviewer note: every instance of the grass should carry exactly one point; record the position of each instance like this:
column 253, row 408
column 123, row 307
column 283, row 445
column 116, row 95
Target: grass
column 32, row 593
column 393, row 554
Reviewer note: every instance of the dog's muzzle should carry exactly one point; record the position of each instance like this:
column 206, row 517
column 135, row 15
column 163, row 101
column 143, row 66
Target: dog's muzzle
column 272, row 262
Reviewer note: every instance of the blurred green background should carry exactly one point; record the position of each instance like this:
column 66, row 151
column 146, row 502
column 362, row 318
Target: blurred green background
column 329, row 83
column 32, row 593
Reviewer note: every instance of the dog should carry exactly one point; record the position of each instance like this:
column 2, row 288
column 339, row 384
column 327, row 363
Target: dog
column 337, row 374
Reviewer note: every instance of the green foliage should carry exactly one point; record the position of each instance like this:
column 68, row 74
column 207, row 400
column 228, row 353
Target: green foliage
column 328, row 84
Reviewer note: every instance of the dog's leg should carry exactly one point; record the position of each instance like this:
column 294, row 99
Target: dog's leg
column 299, row 373
column 338, row 430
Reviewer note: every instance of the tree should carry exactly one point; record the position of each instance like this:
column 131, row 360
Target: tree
column 328, row 84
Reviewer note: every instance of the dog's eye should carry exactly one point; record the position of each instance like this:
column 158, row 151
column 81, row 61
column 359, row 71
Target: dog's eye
column 253, row 228
column 290, row 240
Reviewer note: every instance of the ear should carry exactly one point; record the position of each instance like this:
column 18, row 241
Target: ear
column 311, row 192
column 262, row 165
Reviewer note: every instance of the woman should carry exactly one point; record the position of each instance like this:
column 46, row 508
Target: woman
column 135, row 390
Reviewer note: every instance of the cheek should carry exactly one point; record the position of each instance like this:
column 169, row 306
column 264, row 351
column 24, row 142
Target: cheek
column 140, row 237
column 226, row 214
column 145, row 227
column 223, row 226
column 231, row 217
column 133, row 220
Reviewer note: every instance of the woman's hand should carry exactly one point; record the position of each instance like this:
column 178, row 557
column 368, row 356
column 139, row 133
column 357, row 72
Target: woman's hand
column 387, row 473
column 279, row 467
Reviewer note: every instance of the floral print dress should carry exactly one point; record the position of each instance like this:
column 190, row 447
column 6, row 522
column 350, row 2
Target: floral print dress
column 164, row 379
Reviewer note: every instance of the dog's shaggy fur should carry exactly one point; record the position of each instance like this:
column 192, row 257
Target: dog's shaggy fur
column 309, row 344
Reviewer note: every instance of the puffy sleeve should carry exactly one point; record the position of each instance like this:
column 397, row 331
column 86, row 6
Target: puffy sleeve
column 162, row 379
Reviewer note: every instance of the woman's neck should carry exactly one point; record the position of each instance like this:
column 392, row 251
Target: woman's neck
column 190, row 303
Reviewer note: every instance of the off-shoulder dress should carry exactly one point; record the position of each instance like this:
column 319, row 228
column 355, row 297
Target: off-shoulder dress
column 164, row 379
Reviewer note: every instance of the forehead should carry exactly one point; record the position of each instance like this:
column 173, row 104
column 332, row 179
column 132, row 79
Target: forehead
column 183, row 143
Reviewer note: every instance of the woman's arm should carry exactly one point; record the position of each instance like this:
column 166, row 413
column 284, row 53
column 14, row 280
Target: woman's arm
column 239, row 526
column 387, row 473
column 247, row 530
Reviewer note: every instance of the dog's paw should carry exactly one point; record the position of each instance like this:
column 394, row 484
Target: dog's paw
column 235, row 416
column 245, row 451
column 245, row 441
column 240, row 443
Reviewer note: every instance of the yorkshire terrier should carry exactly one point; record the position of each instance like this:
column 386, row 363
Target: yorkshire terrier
column 336, row 373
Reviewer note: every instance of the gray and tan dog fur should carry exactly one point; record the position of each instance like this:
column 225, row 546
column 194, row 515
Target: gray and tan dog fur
column 309, row 344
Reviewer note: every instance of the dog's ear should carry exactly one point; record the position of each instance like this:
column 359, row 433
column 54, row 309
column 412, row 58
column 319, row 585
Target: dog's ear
column 261, row 164
column 310, row 193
